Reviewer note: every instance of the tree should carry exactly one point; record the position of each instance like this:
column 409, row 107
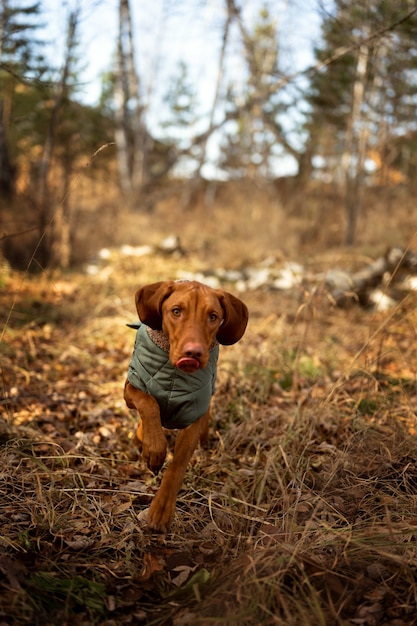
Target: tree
column 365, row 97
column 130, row 131
column 257, row 135
column 49, row 136
column 60, row 246
column 248, row 143
column 181, row 100
column 19, row 60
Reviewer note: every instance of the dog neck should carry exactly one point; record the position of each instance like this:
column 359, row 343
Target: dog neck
column 159, row 338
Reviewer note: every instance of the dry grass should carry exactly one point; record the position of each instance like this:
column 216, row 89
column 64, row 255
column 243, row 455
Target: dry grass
column 301, row 511
column 243, row 222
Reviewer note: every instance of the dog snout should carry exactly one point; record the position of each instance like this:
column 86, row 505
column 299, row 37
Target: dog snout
column 193, row 350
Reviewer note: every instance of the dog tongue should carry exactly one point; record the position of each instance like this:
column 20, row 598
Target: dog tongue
column 188, row 364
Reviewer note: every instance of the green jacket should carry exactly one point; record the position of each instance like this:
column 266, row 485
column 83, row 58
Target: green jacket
column 182, row 398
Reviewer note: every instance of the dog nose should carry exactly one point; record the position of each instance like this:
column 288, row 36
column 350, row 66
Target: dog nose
column 193, row 350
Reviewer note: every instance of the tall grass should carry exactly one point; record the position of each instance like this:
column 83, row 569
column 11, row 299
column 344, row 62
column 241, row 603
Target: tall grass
column 302, row 509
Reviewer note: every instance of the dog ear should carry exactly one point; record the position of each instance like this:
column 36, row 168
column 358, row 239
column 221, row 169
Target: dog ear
column 149, row 301
column 236, row 317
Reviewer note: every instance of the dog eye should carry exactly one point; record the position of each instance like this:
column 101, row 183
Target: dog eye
column 213, row 317
column 176, row 311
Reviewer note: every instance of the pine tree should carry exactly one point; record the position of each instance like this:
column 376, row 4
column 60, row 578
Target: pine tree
column 20, row 59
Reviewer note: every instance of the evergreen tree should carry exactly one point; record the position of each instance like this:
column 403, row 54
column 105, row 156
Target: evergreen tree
column 20, row 59
column 20, row 51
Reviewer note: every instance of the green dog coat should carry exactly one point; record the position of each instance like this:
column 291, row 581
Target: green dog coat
column 182, row 398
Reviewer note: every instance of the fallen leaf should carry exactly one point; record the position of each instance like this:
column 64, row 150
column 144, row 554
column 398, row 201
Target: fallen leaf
column 151, row 563
column 184, row 572
column 78, row 543
column 124, row 506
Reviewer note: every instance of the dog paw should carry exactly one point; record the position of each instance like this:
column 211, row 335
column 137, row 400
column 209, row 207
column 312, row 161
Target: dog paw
column 160, row 514
column 154, row 453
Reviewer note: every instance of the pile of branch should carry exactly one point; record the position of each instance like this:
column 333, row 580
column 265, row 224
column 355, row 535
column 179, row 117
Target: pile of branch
column 380, row 284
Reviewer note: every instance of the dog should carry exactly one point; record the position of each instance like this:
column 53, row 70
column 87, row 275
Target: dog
column 172, row 375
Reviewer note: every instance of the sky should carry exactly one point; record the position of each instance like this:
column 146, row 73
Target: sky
column 167, row 31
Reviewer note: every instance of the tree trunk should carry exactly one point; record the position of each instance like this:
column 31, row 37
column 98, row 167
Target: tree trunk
column 196, row 179
column 352, row 162
column 61, row 227
column 6, row 170
column 57, row 253
column 130, row 133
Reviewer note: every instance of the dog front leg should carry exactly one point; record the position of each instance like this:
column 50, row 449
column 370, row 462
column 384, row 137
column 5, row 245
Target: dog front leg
column 162, row 509
column 149, row 432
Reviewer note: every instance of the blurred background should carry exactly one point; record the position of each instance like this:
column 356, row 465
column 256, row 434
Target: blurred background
column 244, row 128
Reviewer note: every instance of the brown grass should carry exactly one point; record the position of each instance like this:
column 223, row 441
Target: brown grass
column 301, row 511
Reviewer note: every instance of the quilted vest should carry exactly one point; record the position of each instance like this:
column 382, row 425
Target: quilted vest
column 182, row 398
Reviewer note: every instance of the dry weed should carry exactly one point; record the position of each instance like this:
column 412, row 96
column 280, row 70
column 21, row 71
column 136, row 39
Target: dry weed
column 301, row 511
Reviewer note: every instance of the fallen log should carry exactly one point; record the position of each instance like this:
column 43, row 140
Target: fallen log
column 385, row 271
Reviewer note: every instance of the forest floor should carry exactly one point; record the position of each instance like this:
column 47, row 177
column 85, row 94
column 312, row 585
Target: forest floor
column 301, row 511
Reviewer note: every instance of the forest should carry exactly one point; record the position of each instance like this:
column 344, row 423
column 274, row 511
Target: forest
column 267, row 148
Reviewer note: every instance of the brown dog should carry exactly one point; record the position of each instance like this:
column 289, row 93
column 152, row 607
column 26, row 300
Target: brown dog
column 172, row 375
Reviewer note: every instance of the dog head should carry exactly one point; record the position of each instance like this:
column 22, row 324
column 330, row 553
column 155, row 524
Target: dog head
column 192, row 316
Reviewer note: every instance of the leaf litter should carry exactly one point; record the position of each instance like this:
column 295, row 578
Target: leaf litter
column 302, row 509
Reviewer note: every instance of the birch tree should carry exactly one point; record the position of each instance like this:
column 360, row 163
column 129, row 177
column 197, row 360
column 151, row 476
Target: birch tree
column 353, row 156
column 366, row 98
